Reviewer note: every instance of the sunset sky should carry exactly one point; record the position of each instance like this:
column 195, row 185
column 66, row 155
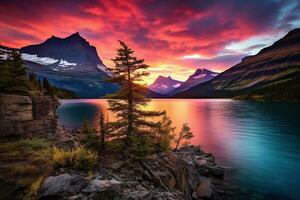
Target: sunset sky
column 174, row 36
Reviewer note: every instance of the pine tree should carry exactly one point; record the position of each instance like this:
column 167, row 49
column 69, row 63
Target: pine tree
column 164, row 135
column 103, row 131
column 184, row 134
column 90, row 139
column 132, row 121
column 13, row 75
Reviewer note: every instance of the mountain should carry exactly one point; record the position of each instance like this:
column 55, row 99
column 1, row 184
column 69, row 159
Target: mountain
column 199, row 76
column 74, row 49
column 70, row 63
column 272, row 67
column 164, row 85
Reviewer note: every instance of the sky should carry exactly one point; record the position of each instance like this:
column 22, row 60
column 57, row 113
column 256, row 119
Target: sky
column 175, row 37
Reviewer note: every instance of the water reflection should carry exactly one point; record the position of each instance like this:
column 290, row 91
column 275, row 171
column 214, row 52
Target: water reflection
column 260, row 140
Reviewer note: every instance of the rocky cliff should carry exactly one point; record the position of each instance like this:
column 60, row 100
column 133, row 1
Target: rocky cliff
column 27, row 116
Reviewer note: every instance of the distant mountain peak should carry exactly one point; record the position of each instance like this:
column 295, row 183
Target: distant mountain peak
column 76, row 36
column 73, row 48
column 164, row 84
column 203, row 71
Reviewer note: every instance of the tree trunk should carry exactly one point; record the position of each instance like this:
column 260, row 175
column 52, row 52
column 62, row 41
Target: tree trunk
column 129, row 115
column 178, row 141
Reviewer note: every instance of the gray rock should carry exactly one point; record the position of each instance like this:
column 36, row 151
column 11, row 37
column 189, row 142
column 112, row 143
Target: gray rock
column 112, row 192
column 203, row 190
column 138, row 195
column 139, row 187
column 116, row 165
column 62, row 184
column 101, row 185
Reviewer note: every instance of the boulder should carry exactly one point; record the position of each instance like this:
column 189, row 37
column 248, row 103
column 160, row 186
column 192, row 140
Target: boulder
column 101, row 185
column 63, row 184
column 203, row 190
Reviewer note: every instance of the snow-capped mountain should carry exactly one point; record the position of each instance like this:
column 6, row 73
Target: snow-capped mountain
column 70, row 63
column 65, row 54
column 164, row 85
column 201, row 75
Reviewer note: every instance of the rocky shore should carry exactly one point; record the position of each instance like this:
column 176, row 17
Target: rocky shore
column 188, row 173
column 185, row 174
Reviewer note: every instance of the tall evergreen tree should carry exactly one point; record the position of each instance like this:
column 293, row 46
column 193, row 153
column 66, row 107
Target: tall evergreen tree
column 132, row 121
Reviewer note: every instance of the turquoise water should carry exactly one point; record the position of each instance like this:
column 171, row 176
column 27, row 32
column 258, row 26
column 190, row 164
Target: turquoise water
column 258, row 142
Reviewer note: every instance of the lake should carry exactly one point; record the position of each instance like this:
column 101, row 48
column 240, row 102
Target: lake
column 258, row 142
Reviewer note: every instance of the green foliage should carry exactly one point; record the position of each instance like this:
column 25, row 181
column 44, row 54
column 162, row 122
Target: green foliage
column 13, row 79
column 32, row 192
column 76, row 159
column 141, row 145
column 90, row 139
column 53, row 91
column 127, row 104
column 185, row 134
column 288, row 90
column 23, row 161
column 165, row 134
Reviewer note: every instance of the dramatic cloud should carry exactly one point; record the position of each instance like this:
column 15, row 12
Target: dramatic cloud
column 173, row 36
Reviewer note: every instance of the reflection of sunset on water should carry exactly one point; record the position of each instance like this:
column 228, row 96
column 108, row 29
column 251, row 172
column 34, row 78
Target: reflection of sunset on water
column 251, row 137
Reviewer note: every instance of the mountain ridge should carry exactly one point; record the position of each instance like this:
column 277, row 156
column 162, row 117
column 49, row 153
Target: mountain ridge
column 278, row 62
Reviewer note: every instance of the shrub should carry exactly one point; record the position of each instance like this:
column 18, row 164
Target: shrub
column 90, row 139
column 34, row 189
column 77, row 159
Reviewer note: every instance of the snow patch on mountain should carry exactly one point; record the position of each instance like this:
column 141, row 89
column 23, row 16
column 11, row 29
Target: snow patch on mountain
column 104, row 69
column 176, row 85
column 38, row 60
column 6, row 50
column 199, row 76
column 64, row 63
column 3, row 56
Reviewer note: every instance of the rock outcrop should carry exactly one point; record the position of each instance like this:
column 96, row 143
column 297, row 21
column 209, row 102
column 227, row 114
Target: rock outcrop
column 27, row 116
column 186, row 174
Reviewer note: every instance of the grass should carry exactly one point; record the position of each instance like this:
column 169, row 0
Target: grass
column 22, row 163
column 77, row 159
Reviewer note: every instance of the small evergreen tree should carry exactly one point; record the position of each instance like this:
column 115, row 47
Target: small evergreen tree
column 47, row 87
column 90, row 139
column 13, row 76
column 164, row 135
column 132, row 121
column 184, row 134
